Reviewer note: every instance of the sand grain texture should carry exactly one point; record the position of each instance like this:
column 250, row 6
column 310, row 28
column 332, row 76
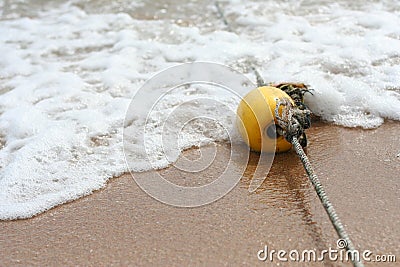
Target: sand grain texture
column 122, row 225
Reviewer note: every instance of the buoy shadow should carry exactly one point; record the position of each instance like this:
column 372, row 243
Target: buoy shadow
column 286, row 187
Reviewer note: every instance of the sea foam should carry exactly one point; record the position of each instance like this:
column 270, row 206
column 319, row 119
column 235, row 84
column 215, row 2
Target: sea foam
column 69, row 71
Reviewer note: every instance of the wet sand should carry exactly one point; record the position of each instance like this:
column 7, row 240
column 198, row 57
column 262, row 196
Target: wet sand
column 122, row 225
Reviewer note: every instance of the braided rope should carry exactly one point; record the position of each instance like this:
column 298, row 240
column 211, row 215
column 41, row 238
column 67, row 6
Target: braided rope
column 291, row 130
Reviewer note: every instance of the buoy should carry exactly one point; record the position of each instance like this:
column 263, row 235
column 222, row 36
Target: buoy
column 256, row 120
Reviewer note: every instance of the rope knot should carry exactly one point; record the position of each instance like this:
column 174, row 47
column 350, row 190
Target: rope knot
column 292, row 121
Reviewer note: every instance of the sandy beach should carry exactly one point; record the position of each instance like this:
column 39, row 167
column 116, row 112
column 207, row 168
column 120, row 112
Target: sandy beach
column 70, row 70
column 122, row 225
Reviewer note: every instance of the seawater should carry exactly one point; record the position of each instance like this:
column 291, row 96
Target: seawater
column 69, row 70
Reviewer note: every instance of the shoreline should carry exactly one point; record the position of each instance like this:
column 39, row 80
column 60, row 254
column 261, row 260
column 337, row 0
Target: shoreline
column 122, row 225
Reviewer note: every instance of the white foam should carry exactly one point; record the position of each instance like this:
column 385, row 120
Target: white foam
column 67, row 77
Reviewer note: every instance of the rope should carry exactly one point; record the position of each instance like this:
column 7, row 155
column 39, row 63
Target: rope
column 291, row 130
column 260, row 80
column 229, row 28
column 292, row 122
column 222, row 16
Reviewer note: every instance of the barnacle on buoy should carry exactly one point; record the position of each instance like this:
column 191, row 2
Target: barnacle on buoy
column 256, row 116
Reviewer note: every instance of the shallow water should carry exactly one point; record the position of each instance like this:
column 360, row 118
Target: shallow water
column 69, row 70
column 358, row 169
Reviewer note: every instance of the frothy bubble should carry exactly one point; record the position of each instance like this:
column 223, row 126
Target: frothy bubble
column 68, row 73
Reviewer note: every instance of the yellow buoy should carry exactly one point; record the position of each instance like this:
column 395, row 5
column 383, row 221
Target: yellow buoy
column 256, row 120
